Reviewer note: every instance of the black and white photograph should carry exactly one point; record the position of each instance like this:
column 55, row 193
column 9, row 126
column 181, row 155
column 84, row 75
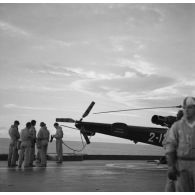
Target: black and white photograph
column 97, row 97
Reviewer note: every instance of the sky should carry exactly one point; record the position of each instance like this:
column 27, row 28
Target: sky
column 58, row 58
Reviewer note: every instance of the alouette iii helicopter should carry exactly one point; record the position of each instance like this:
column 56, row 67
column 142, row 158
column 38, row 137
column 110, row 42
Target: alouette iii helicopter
column 148, row 135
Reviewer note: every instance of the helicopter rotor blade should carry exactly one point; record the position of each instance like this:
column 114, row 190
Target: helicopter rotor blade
column 66, row 120
column 137, row 109
column 88, row 110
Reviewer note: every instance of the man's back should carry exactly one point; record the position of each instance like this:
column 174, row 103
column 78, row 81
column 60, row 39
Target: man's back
column 13, row 133
column 25, row 135
column 33, row 131
column 43, row 134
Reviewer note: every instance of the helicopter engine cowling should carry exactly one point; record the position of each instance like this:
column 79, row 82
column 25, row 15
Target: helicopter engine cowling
column 119, row 127
column 163, row 120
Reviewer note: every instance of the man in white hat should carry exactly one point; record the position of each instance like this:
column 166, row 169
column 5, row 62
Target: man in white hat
column 180, row 149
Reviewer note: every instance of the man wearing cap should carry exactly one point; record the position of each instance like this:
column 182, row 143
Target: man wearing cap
column 58, row 136
column 13, row 151
column 43, row 139
column 180, row 149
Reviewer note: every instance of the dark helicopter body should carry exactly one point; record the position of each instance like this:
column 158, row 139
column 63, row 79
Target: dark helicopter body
column 148, row 135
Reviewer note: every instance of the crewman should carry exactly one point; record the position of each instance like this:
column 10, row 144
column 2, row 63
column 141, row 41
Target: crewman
column 25, row 147
column 180, row 149
column 33, row 141
column 14, row 137
column 43, row 139
column 170, row 184
column 58, row 136
column 38, row 156
column 178, row 117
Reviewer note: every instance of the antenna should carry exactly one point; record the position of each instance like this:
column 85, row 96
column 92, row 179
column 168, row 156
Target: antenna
column 137, row 109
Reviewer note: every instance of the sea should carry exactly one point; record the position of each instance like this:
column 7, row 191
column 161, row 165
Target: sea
column 97, row 148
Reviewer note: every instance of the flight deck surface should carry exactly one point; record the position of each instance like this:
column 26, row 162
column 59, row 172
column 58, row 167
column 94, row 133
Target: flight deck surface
column 85, row 176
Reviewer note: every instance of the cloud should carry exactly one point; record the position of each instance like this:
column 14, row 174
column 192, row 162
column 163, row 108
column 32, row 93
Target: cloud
column 55, row 73
column 99, row 76
column 138, row 65
column 14, row 106
column 126, row 44
column 128, row 90
column 133, row 84
column 80, row 73
column 12, row 29
column 129, row 81
column 62, row 43
column 130, row 12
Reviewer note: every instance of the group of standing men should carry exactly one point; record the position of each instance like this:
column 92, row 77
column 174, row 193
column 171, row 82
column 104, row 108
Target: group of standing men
column 22, row 145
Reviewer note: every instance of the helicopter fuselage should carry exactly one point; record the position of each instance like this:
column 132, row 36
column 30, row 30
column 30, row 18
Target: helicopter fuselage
column 148, row 135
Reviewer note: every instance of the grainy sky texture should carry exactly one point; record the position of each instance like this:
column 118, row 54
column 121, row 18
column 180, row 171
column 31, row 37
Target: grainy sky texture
column 57, row 58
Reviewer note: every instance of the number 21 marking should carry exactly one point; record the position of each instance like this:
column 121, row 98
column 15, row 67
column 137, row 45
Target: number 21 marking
column 152, row 136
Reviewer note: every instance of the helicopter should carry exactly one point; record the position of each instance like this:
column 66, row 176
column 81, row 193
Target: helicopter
column 147, row 135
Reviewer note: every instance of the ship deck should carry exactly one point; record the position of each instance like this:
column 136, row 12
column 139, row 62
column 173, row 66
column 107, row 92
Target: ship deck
column 85, row 176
